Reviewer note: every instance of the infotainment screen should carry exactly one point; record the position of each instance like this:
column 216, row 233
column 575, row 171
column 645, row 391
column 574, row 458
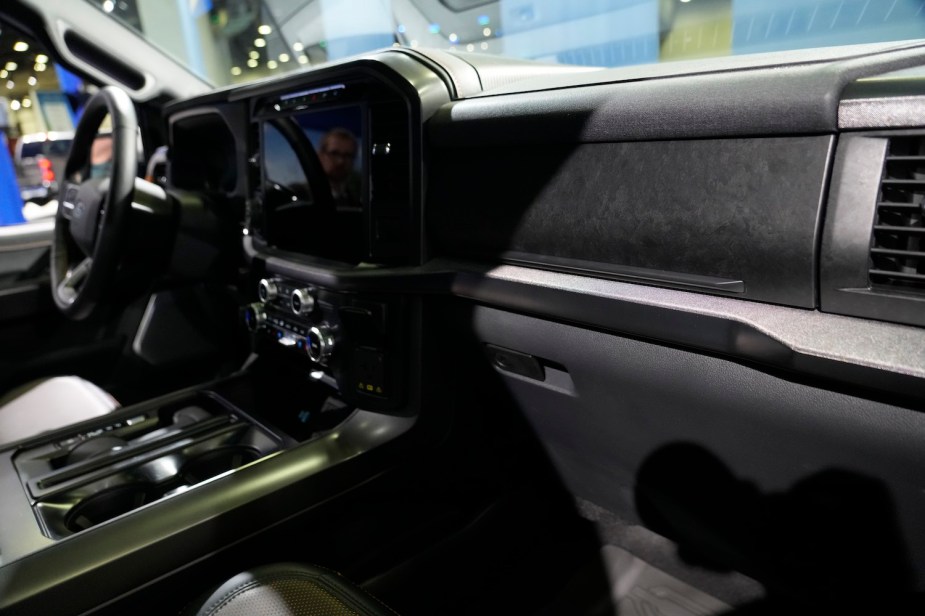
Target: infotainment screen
column 314, row 186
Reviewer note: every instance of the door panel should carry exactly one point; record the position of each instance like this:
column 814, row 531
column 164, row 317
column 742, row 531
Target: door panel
column 35, row 339
column 24, row 253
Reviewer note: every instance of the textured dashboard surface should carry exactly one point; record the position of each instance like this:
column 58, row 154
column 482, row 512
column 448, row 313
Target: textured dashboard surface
column 744, row 209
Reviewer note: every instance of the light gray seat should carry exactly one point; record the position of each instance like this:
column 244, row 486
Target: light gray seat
column 288, row 589
column 49, row 404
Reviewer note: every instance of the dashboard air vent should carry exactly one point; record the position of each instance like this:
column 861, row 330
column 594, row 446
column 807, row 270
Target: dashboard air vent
column 897, row 253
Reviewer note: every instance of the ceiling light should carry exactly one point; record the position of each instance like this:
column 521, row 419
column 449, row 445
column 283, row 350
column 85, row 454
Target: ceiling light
column 297, row 46
column 303, row 59
column 27, row 102
column 39, row 67
column 284, row 57
column 272, row 64
column 484, row 46
column 252, row 63
column 259, row 42
column 454, row 37
column 11, row 66
column 108, row 6
column 470, row 47
column 4, row 74
column 10, row 84
column 14, row 105
column 41, row 58
column 20, row 46
column 235, row 70
column 254, row 54
column 33, row 80
column 486, row 31
column 264, row 29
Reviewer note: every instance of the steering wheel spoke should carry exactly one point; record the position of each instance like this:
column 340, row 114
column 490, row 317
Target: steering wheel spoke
column 68, row 200
column 69, row 286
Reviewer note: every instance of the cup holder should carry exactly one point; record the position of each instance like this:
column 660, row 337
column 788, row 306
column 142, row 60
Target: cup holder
column 112, row 502
column 108, row 504
column 217, row 461
column 108, row 475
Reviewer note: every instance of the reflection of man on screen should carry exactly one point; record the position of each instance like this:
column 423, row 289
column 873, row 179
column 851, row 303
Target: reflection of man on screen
column 338, row 151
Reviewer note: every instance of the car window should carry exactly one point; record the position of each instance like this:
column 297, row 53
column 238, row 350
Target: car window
column 29, row 150
column 39, row 106
column 59, row 147
column 225, row 41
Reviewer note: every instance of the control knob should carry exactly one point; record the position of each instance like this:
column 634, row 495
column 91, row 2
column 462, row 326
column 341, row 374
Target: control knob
column 302, row 301
column 255, row 316
column 267, row 290
column 320, row 343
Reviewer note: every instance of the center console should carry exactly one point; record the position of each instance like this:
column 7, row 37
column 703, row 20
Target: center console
column 92, row 474
column 322, row 175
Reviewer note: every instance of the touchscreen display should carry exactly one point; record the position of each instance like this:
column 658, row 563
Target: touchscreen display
column 314, row 186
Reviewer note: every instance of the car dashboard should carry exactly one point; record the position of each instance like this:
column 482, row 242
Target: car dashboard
column 720, row 254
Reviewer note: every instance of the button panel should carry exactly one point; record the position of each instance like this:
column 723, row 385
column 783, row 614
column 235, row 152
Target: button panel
column 355, row 339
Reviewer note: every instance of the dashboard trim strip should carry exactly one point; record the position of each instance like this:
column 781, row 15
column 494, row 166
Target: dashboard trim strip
column 624, row 272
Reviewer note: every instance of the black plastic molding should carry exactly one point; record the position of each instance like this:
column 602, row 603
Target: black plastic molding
column 86, row 51
column 880, row 356
column 629, row 274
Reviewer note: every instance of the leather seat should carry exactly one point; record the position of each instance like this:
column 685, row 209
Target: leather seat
column 288, row 589
column 49, row 404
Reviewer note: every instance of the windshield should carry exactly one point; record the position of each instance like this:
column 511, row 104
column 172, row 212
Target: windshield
column 235, row 41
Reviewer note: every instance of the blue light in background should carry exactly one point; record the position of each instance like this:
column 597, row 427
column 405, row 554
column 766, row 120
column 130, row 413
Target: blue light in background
column 434, row 28
column 10, row 199
column 198, row 8
column 69, row 82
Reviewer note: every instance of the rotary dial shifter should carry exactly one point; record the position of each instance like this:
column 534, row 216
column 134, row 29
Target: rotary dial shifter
column 320, row 343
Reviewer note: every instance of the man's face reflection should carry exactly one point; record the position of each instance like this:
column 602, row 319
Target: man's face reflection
column 337, row 155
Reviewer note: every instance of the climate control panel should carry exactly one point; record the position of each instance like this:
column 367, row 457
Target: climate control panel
column 358, row 340
column 290, row 314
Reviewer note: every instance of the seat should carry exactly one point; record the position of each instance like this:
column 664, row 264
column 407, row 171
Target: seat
column 288, row 589
column 48, row 404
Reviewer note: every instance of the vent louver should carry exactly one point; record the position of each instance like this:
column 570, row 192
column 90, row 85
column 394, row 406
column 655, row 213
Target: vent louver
column 897, row 253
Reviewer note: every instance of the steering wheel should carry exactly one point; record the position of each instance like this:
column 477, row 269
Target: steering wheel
column 93, row 212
